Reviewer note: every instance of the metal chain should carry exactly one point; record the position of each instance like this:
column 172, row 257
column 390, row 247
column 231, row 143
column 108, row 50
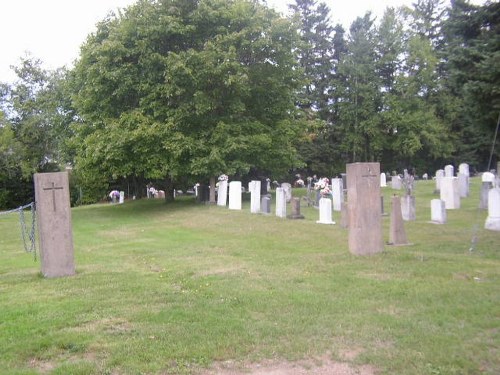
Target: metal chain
column 27, row 235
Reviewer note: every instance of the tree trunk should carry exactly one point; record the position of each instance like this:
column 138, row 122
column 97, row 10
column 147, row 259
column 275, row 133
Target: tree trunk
column 169, row 190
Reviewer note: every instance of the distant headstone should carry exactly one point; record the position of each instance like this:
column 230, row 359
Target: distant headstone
column 365, row 222
column 488, row 177
column 254, row 187
column 397, row 233
column 222, row 193
column 235, row 195
column 408, row 208
column 493, row 219
column 54, row 224
column 425, row 176
column 203, row 193
column 485, row 189
column 296, row 209
column 396, row 182
column 122, row 197
column 449, row 171
column 337, row 193
column 449, row 193
column 438, row 211
column 463, row 185
column 325, row 211
column 265, row 205
column 344, row 216
column 383, row 180
column 464, row 169
column 288, row 190
column 280, row 202
column 439, row 178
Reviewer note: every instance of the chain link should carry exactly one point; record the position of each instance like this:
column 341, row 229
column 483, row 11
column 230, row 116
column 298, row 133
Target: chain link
column 28, row 235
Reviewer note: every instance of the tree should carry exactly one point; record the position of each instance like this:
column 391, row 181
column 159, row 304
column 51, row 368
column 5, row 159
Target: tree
column 196, row 88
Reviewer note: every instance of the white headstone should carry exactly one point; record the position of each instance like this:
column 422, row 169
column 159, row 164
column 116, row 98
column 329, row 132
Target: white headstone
column 408, row 208
column 337, row 193
column 235, row 195
column 280, row 203
column 464, row 169
column 288, row 191
column 325, row 211
column 488, row 177
column 222, row 193
column 383, row 180
column 439, row 178
column 122, row 197
column 449, row 171
column 463, row 185
column 396, row 182
column 438, row 211
column 493, row 219
column 254, row 187
column 449, row 193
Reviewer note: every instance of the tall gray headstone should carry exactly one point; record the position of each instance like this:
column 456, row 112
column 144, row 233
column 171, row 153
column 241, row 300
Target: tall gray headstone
column 265, row 205
column 438, row 211
column 439, row 178
column 493, row 219
column 408, row 211
column 464, row 169
column 222, row 193
column 54, row 224
column 396, row 182
column 463, row 185
column 449, row 171
column 485, row 189
column 364, row 213
column 235, row 195
column 296, row 209
column 280, row 203
column 337, row 193
column 397, row 233
column 254, row 187
column 449, row 193
column 288, row 191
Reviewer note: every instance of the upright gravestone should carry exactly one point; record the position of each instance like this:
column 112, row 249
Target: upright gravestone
column 463, row 185
column 54, row 224
column 396, row 182
column 222, row 193
column 464, row 169
column 235, row 195
column 493, row 219
column 397, row 233
column 449, row 171
column 296, row 209
column 122, row 197
column 265, row 205
column 280, row 203
column 383, row 180
column 325, row 211
column 288, row 191
column 449, row 193
column 254, row 187
column 488, row 177
column 408, row 208
column 438, row 211
column 439, row 178
column 364, row 214
column 337, row 193
column 485, row 189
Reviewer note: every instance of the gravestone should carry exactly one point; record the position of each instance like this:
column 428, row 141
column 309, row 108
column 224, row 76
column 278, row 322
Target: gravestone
column 288, row 191
column 463, row 185
column 265, row 205
column 493, row 219
column 337, row 193
column 122, row 197
column 254, row 187
column 280, row 203
column 235, row 195
column 408, row 208
column 464, row 169
column 438, row 211
column 449, row 171
column 488, row 177
column 296, row 209
column 449, row 193
column 325, row 211
column 439, row 178
column 344, row 216
column 397, row 233
column 485, row 189
column 396, row 182
column 222, row 193
column 54, row 224
column 383, row 180
column 363, row 197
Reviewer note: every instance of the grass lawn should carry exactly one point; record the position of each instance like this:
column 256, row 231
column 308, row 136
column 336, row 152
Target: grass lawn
column 176, row 288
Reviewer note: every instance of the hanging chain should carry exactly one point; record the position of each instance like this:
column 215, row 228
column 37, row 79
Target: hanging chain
column 28, row 236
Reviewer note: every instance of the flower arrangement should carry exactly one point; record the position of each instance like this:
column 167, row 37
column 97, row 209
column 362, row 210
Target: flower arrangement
column 323, row 186
column 223, row 177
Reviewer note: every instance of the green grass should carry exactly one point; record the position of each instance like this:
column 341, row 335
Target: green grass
column 172, row 288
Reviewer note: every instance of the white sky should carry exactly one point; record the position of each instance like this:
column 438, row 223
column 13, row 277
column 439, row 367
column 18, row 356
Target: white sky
column 54, row 30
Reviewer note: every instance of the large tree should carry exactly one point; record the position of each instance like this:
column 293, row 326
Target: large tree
column 177, row 88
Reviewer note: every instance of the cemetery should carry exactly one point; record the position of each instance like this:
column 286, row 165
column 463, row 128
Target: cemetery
column 194, row 288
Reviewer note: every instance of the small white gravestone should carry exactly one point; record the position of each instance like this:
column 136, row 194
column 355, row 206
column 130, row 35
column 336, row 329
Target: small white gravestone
column 493, row 219
column 488, row 177
column 288, row 191
column 54, row 224
column 439, row 178
column 254, row 187
column 449, row 171
column 122, row 197
column 325, row 211
column 396, row 182
column 449, row 193
column 222, row 193
column 235, row 195
column 337, row 193
column 280, row 203
column 383, row 180
column 463, row 185
column 464, row 169
column 408, row 208
column 438, row 211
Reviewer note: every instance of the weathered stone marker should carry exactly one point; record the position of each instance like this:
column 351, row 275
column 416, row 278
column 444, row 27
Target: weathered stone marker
column 364, row 211
column 397, row 233
column 54, row 224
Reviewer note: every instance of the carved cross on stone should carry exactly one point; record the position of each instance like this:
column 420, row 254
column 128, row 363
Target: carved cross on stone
column 54, row 188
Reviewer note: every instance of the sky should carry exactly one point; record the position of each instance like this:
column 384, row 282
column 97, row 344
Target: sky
column 54, row 30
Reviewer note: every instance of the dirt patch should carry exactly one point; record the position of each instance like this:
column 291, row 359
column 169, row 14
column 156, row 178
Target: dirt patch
column 317, row 366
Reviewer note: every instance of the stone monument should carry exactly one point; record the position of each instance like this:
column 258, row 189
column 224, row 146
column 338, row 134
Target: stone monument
column 296, row 209
column 280, row 203
column 438, row 211
column 325, row 211
column 397, row 233
column 254, row 186
column 493, row 219
column 235, row 195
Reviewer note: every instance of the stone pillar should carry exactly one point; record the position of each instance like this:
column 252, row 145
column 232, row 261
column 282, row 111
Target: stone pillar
column 397, row 233
column 363, row 197
column 235, row 195
column 54, row 224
